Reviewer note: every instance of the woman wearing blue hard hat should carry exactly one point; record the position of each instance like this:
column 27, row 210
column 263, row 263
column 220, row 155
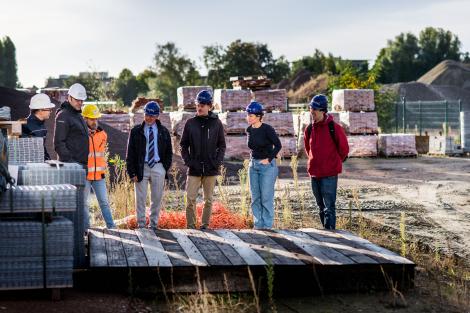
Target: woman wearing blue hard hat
column 264, row 145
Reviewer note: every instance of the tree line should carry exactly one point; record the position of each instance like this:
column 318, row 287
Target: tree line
column 8, row 69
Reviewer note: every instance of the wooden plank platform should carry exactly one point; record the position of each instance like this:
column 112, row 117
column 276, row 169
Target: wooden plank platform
column 184, row 260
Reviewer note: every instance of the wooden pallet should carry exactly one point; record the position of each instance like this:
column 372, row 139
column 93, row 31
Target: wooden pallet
column 305, row 260
column 13, row 127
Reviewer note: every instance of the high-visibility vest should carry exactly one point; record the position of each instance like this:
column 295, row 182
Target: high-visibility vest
column 96, row 158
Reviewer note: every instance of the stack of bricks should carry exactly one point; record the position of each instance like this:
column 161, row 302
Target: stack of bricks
column 359, row 120
column 397, row 145
column 235, row 125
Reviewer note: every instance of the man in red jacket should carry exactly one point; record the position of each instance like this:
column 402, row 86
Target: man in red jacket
column 327, row 147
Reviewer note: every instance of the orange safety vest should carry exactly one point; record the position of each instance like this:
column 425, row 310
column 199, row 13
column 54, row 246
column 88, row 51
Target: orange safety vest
column 96, row 159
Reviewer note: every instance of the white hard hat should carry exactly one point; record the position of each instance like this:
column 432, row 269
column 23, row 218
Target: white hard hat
column 77, row 91
column 41, row 101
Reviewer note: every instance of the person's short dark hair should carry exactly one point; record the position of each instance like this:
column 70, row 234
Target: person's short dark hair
column 34, row 111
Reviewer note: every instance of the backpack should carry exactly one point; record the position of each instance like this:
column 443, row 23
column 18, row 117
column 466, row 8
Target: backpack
column 5, row 178
column 331, row 127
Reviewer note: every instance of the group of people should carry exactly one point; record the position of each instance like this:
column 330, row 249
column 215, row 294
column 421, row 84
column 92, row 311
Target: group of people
column 79, row 138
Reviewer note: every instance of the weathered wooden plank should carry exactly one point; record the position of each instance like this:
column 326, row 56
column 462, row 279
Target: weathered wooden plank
column 323, row 254
column 208, row 248
column 334, row 243
column 172, row 248
column 114, row 248
column 269, row 248
column 226, row 248
column 98, row 257
column 243, row 248
column 387, row 254
column 291, row 246
column 153, row 249
column 189, row 248
column 133, row 249
column 334, row 237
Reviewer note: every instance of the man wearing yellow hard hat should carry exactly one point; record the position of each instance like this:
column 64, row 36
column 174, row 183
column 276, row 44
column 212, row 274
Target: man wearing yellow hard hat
column 96, row 165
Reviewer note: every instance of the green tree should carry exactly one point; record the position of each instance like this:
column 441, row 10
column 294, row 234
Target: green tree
column 172, row 70
column 95, row 88
column 126, row 87
column 242, row 58
column 10, row 77
column 398, row 62
column 407, row 57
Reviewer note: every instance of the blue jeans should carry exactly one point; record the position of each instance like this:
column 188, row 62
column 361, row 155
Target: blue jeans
column 324, row 190
column 99, row 187
column 262, row 179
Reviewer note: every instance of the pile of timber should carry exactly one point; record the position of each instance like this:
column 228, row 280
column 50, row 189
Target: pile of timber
column 254, row 82
column 397, row 145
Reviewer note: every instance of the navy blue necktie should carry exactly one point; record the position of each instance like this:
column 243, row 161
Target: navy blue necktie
column 151, row 156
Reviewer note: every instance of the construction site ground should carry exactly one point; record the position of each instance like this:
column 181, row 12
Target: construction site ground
column 417, row 206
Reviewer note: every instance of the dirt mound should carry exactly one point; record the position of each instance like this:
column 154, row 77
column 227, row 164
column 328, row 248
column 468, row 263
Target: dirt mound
column 448, row 73
column 415, row 91
column 318, row 84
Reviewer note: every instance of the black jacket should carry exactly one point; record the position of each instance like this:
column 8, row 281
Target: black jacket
column 71, row 135
column 203, row 145
column 34, row 127
column 137, row 147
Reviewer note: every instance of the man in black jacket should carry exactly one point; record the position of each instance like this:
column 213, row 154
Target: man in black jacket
column 149, row 156
column 202, row 149
column 71, row 131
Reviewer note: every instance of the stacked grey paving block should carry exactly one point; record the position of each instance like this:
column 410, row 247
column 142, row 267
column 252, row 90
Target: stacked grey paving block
column 45, row 198
column 66, row 173
column 25, row 262
column 25, row 150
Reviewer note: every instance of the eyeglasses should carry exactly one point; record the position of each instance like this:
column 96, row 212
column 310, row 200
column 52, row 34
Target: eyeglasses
column 46, row 110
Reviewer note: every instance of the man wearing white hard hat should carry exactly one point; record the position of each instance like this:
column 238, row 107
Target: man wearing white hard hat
column 41, row 108
column 71, row 131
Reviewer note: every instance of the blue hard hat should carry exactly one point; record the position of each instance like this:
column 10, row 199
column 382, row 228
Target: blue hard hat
column 254, row 108
column 204, row 97
column 152, row 108
column 319, row 102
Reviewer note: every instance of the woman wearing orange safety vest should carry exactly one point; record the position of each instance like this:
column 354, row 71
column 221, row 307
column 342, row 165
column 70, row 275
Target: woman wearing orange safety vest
column 96, row 165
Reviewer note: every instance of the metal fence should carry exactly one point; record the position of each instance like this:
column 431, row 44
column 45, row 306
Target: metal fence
column 431, row 117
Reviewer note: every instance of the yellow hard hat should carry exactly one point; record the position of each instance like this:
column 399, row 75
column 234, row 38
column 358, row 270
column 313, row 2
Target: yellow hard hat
column 91, row 111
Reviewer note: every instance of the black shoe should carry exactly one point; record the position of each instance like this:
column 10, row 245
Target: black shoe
column 203, row 227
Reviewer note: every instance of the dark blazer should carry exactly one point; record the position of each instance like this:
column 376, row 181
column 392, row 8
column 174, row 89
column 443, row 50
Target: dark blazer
column 136, row 150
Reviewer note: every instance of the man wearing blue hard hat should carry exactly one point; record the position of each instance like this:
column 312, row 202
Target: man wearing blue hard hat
column 148, row 159
column 202, row 149
column 327, row 147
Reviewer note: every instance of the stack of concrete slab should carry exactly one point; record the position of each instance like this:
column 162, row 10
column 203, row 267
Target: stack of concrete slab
column 187, row 96
column 231, row 100
column 353, row 100
column 178, row 119
column 356, row 113
column 359, row 122
column 397, row 145
column 36, row 255
column 362, row 146
column 62, row 173
column 272, row 99
column 442, row 145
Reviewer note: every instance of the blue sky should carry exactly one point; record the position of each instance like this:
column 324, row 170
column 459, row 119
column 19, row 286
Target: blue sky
column 55, row 37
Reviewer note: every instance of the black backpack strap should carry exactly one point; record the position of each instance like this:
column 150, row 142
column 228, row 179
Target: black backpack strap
column 331, row 127
column 309, row 131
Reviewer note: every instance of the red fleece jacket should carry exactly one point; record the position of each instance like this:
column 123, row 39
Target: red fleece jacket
column 324, row 158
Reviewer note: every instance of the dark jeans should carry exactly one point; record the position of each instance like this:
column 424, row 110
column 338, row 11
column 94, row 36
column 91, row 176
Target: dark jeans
column 324, row 190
